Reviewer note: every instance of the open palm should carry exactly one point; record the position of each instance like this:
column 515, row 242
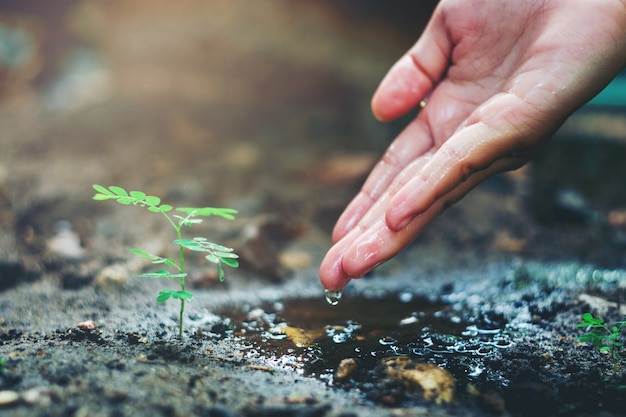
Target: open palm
column 499, row 77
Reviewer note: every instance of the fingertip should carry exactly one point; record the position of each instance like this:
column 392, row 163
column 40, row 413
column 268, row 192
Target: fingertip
column 398, row 222
column 331, row 273
column 400, row 91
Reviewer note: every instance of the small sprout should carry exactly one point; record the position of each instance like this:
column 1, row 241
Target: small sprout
column 215, row 253
column 603, row 337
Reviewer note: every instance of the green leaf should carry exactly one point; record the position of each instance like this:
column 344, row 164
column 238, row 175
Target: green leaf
column 587, row 316
column 100, row 197
column 162, row 274
column 102, row 190
column 212, row 258
column 126, row 200
column 152, row 200
column 216, row 247
column 226, row 213
column 191, row 245
column 230, row 255
column 230, row 262
column 138, row 195
column 165, row 295
column 154, row 258
column 143, row 253
column 183, row 295
column 118, row 191
column 165, row 208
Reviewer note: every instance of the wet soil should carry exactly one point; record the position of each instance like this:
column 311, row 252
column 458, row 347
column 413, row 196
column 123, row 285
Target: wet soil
column 265, row 108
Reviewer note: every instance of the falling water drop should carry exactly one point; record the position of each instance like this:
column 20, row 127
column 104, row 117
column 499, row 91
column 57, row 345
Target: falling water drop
column 332, row 297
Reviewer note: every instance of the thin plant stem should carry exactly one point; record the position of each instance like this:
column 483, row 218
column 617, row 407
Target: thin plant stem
column 181, row 264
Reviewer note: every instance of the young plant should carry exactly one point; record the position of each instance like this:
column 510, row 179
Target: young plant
column 216, row 254
column 603, row 337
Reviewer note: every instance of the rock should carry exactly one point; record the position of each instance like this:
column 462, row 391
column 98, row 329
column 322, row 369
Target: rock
column 345, row 369
column 260, row 242
column 86, row 330
column 8, row 398
column 87, row 325
column 37, row 396
column 112, row 276
column 435, row 383
column 301, row 337
column 66, row 243
column 601, row 305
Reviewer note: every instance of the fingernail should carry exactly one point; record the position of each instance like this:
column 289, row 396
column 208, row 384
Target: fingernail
column 404, row 223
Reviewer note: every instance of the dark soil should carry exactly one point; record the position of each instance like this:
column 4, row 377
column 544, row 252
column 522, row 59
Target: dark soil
column 265, row 108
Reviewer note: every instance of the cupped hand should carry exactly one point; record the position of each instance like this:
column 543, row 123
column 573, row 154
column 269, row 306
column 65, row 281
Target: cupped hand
column 498, row 78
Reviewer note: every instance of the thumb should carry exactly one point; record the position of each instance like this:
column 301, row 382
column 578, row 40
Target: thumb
column 414, row 75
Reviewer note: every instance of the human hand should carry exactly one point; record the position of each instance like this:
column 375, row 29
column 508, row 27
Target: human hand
column 500, row 78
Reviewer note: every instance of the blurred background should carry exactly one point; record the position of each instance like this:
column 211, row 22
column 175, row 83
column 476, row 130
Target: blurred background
column 264, row 107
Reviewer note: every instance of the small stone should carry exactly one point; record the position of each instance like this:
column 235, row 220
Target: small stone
column 345, row 369
column 435, row 383
column 8, row 398
column 66, row 242
column 301, row 337
column 112, row 276
column 37, row 396
column 87, row 325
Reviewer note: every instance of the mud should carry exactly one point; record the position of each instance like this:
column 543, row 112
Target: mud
column 266, row 109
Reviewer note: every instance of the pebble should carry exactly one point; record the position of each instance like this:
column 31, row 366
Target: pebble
column 112, row 276
column 37, row 396
column 8, row 397
column 435, row 383
column 66, row 242
column 345, row 369
column 301, row 337
column 87, row 325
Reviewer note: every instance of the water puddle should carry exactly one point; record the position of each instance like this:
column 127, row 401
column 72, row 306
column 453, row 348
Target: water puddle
column 347, row 344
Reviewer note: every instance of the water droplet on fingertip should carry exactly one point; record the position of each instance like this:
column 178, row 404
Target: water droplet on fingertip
column 332, row 297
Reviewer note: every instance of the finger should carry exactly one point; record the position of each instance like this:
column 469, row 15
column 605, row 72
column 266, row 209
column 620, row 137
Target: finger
column 415, row 74
column 380, row 243
column 331, row 273
column 473, row 148
column 411, row 143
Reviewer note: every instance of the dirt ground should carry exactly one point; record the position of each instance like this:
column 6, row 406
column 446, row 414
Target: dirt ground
column 264, row 107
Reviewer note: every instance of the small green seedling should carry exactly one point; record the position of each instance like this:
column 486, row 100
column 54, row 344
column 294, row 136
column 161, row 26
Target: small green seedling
column 217, row 254
column 603, row 337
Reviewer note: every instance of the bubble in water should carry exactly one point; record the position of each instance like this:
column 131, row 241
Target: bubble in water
column 332, row 297
column 386, row 340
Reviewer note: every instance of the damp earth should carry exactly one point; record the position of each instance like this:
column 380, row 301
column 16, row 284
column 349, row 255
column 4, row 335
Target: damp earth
column 264, row 107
